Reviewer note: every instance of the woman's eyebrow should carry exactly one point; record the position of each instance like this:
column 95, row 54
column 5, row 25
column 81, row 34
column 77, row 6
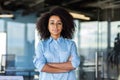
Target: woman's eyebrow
column 51, row 20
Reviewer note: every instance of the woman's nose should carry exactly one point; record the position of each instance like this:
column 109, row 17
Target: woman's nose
column 56, row 25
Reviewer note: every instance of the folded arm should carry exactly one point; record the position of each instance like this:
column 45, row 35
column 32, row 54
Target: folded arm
column 51, row 69
column 58, row 67
column 65, row 65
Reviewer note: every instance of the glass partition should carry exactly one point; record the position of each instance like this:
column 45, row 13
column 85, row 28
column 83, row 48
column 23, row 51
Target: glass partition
column 97, row 42
column 2, row 47
column 91, row 40
column 21, row 43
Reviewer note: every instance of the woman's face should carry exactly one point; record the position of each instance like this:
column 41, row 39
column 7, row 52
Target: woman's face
column 55, row 25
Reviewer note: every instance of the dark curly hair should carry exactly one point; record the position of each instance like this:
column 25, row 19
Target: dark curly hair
column 66, row 18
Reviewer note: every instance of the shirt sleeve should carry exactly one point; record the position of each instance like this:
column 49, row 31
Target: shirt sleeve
column 39, row 60
column 75, row 58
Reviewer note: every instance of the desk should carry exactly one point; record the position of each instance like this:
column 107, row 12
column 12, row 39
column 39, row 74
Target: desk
column 22, row 70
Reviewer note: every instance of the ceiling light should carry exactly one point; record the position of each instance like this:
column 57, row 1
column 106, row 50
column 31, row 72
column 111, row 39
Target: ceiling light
column 6, row 15
column 79, row 16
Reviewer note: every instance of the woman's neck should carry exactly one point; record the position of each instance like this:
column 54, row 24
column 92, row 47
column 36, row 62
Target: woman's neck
column 55, row 37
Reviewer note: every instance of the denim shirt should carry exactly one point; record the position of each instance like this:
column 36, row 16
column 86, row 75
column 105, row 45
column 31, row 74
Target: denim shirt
column 56, row 51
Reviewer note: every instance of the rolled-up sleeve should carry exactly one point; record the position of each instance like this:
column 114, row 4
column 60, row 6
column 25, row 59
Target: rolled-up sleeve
column 39, row 60
column 75, row 58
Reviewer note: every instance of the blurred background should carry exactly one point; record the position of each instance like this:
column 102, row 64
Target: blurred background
column 96, row 36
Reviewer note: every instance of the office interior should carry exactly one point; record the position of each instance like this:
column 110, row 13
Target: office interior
column 97, row 36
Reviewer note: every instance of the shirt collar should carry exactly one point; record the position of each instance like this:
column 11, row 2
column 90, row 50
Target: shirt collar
column 58, row 40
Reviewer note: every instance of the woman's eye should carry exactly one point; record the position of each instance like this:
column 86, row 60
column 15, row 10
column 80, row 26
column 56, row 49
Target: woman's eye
column 52, row 23
column 59, row 23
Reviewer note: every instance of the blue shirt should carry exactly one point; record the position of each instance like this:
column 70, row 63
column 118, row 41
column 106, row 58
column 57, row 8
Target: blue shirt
column 56, row 51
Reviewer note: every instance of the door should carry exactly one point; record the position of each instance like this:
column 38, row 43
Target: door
column 91, row 40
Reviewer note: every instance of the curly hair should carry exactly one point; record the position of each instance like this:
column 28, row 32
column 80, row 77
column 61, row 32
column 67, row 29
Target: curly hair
column 66, row 18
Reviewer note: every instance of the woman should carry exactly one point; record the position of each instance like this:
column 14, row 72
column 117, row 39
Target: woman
column 56, row 54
